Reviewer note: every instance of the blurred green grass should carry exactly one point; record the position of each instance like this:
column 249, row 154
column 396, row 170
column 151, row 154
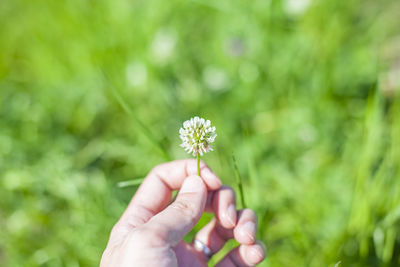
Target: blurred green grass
column 305, row 93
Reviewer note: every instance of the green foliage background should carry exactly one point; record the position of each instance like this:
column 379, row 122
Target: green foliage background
column 302, row 98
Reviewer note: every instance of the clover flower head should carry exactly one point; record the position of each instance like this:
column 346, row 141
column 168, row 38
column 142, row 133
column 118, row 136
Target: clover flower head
column 197, row 136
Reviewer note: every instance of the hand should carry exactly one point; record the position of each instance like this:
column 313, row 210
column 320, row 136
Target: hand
column 151, row 230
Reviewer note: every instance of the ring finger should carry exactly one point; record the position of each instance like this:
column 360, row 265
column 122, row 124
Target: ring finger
column 214, row 235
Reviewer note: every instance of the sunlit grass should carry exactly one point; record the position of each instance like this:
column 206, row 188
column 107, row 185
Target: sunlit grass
column 307, row 95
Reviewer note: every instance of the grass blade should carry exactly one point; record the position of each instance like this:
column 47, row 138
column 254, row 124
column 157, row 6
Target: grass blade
column 239, row 182
column 133, row 182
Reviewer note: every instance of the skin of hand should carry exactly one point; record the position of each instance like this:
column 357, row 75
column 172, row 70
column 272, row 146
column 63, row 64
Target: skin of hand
column 151, row 229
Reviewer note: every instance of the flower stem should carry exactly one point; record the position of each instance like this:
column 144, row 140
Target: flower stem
column 198, row 164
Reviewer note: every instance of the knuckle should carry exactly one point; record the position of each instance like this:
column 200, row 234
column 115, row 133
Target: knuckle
column 148, row 236
column 186, row 208
column 119, row 229
column 139, row 234
column 158, row 168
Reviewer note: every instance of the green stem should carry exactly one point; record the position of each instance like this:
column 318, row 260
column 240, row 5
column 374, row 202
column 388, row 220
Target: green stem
column 239, row 181
column 134, row 182
column 198, row 164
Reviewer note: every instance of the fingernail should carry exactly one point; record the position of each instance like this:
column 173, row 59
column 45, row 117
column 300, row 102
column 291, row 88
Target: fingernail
column 192, row 184
column 231, row 214
column 250, row 230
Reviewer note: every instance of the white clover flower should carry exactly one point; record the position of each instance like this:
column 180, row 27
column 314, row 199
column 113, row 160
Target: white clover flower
column 197, row 136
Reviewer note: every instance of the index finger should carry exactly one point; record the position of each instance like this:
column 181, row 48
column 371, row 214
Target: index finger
column 155, row 193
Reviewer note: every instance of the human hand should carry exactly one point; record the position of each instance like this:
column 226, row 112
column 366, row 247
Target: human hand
column 151, row 230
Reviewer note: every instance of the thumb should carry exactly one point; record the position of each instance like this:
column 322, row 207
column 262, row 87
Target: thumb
column 174, row 222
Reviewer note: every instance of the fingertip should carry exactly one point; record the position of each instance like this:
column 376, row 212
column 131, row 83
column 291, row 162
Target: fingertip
column 224, row 206
column 255, row 254
column 244, row 255
column 246, row 228
column 247, row 233
column 212, row 180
